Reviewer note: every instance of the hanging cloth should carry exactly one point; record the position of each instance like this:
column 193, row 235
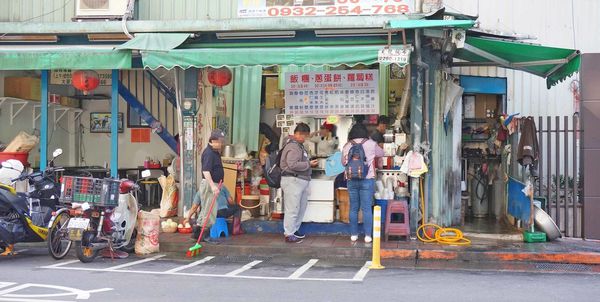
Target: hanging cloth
column 528, row 151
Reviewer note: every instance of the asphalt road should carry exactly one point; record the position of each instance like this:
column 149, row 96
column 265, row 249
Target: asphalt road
column 34, row 276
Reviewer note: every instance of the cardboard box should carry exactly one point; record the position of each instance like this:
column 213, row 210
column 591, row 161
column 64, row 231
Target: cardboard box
column 484, row 102
column 273, row 96
column 23, row 88
column 69, row 102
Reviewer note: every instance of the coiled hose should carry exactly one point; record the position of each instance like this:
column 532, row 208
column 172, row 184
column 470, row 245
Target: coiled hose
column 449, row 236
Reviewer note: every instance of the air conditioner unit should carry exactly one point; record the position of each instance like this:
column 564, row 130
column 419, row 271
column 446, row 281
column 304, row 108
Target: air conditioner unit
column 102, row 9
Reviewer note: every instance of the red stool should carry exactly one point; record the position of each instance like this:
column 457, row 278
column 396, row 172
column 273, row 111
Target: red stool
column 397, row 227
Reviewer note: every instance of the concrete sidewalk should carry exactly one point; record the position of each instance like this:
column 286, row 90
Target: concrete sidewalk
column 570, row 251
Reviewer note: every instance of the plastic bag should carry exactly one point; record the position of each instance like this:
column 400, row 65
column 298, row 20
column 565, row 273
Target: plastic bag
column 148, row 226
column 23, row 142
column 170, row 196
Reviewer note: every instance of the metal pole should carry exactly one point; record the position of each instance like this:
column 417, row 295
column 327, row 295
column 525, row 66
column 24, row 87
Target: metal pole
column 44, row 121
column 114, row 125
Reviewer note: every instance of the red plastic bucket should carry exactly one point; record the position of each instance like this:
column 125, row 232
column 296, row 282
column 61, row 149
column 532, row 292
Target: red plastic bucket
column 20, row 156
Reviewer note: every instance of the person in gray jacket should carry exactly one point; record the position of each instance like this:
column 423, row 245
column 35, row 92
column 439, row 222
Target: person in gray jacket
column 295, row 177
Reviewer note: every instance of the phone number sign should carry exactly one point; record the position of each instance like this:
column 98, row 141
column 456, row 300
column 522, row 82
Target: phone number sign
column 332, row 93
column 308, row 8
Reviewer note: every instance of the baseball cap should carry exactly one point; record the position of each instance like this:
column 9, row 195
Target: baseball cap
column 216, row 134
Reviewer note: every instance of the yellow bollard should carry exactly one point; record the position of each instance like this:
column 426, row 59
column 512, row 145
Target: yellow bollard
column 376, row 261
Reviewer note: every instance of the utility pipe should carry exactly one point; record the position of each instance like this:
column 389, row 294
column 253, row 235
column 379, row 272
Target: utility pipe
column 423, row 67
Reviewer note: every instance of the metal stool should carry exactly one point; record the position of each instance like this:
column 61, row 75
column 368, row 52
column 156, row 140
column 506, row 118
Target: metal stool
column 393, row 225
column 152, row 191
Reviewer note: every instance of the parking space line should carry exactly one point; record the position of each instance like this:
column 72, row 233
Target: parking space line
column 362, row 273
column 61, row 264
column 243, row 268
column 195, row 263
column 116, row 267
column 303, row 269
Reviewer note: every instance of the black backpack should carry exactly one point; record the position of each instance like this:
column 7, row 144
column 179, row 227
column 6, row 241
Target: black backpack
column 273, row 168
column 357, row 167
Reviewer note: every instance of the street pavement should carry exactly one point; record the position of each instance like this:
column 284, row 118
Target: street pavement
column 34, row 276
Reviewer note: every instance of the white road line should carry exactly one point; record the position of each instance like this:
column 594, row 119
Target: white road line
column 362, row 273
column 202, row 275
column 243, row 268
column 303, row 269
column 29, row 300
column 21, row 251
column 206, row 259
column 116, row 267
column 61, row 264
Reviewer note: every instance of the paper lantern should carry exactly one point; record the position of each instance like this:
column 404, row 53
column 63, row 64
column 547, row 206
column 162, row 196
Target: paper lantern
column 219, row 77
column 85, row 80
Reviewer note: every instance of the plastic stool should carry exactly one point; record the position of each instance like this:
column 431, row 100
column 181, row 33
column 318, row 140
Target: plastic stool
column 220, row 227
column 397, row 227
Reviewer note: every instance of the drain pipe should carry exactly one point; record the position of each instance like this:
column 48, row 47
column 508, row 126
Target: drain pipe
column 423, row 67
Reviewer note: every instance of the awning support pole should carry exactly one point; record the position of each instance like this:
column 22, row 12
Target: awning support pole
column 44, row 121
column 114, row 125
column 496, row 59
column 557, row 67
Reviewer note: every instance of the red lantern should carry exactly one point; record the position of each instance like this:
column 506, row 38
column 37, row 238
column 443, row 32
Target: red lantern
column 219, row 77
column 85, row 80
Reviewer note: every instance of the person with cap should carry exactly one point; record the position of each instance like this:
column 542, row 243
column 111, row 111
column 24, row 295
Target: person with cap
column 325, row 139
column 213, row 173
column 382, row 124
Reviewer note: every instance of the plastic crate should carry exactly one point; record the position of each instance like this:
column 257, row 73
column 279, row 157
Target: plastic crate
column 99, row 192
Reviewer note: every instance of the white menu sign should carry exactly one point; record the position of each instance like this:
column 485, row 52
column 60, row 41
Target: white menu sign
column 332, row 92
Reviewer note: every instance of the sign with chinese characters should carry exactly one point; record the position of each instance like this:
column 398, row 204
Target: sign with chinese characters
column 64, row 77
column 394, row 55
column 301, row 8
column 327, row 93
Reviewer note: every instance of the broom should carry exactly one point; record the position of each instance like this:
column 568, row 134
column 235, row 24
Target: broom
column 197, row 248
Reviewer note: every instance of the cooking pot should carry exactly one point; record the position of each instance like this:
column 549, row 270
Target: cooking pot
column 228, row 151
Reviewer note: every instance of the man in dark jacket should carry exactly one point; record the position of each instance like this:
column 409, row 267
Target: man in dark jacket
column 296, row 174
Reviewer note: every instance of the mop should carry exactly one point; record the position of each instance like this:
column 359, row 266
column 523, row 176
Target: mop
column 197, row 248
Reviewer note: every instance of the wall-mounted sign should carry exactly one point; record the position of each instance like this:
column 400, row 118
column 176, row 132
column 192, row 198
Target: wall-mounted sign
column 308, row 8
column 394, row 55
column 65, row 77
column 332, row 92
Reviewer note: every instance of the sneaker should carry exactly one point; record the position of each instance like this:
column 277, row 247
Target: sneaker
column 368, row 239
column 354, row 238
column 292, row 239
column 300, row 235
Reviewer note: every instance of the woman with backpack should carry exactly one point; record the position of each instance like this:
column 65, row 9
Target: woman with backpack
column 359, row 156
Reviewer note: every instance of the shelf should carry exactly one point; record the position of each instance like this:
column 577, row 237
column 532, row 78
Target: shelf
column 476, row 120
column 17, row 105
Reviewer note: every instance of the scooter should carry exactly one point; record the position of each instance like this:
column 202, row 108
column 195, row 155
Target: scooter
column 96, row 227
column 26, row 217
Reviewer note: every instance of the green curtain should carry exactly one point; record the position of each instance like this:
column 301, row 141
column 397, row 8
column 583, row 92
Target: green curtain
column 384, row 76
column 246, row 105
column 294, row 68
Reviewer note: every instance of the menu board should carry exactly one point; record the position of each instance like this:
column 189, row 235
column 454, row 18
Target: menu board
column 324, row 93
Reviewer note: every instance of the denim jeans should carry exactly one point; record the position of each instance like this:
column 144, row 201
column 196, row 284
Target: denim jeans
column 361, row 197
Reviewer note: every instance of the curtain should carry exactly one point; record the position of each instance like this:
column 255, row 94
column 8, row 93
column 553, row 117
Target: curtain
column 246, row 105
column 384, row 76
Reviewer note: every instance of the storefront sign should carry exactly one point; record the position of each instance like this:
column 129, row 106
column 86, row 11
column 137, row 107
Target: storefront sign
column 332, row 92
column 301, row 8
column 394, row 55
column 64, row 77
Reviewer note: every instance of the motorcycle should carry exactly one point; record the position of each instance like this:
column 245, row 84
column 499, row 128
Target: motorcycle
column 103, row 224
column 27, row 217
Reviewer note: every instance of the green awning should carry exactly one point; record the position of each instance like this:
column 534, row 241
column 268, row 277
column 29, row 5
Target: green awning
column 554, row 64
column 50, row 59
column 263, row 56
column 413, row 24
column 155, row 41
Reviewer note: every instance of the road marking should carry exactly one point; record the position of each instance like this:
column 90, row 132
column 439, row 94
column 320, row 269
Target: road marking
column 5, row 284
column 303, row 269
column 243, row 268
column 183, row 267
column 65, row 291
column 61, row 264
column 116, row 267
column 362, row 273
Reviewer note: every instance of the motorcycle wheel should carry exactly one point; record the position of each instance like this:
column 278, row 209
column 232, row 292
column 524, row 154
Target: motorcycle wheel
column 58, row 246
column 85, row 254
column 130, row 247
